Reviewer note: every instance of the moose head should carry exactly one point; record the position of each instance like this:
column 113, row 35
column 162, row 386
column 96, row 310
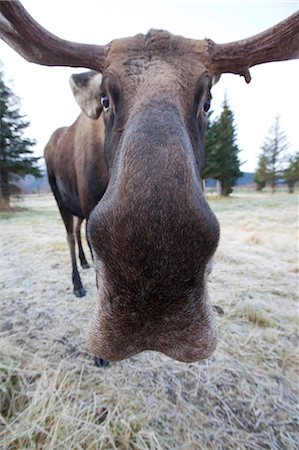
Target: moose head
column 152, row 234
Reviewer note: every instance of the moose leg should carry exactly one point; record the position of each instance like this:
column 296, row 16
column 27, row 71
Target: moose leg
column 86, row 234
column 68, row 220
column 83, row 261
column 97, row 284
column 79, row 291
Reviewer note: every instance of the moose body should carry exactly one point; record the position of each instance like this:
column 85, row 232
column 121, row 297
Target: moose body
column 152, row 233
column 78, row 178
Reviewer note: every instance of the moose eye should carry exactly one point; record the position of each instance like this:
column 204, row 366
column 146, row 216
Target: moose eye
column 105, row 102
column 207, row 105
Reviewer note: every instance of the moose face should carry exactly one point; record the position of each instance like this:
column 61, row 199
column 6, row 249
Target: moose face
column 153, row 233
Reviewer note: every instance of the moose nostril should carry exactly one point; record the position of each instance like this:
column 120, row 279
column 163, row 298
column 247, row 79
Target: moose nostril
column 99, row 362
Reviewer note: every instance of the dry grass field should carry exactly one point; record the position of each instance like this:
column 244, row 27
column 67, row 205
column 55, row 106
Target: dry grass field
column 245, row 396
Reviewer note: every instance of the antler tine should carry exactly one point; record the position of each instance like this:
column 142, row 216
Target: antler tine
column 21, row 32
column 278, row 43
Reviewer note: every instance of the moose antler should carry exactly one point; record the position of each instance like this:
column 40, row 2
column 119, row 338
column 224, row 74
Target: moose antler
column 278, row 43
column 19, row 30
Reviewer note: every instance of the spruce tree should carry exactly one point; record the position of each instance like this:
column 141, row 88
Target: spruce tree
column 212, row 166
column 261, row 176
column 222, row 161
column 16, row 158
column 291, row 172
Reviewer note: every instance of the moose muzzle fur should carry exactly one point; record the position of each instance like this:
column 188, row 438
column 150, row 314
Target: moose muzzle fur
column 153, row 238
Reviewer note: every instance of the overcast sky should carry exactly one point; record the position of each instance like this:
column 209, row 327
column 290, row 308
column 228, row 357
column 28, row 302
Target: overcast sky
column 47, row 99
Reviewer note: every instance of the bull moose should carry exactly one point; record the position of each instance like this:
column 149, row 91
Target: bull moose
column 131, row 166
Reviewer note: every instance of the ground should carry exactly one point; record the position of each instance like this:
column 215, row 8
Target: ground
column 245, row 396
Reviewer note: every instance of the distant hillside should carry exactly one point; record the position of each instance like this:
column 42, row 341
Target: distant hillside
column 31, row 185
column 246, row 179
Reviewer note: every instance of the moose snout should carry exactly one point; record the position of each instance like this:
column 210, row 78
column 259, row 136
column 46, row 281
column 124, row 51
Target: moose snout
column 182, row 329
column 152, row 240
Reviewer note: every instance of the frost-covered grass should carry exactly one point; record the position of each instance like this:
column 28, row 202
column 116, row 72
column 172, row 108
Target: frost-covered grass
column 243, row 397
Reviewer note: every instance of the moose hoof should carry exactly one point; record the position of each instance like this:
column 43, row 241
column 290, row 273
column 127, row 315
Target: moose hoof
column 218, row 310
column 85, row 265
column 99, row 362
column 80, row 292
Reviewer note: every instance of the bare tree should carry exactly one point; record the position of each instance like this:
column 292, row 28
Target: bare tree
column 274, row 154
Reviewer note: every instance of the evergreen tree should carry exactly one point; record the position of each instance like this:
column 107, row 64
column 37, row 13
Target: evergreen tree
column 261, row 176
column 291, row 173
column 222, row 161
column 211, row 164
column 273, row 152
column 16, row 158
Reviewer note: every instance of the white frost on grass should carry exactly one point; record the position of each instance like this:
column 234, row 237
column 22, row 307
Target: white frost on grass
column 244, row 397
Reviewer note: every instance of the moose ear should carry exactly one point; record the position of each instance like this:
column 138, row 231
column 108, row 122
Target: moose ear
column 86, row 90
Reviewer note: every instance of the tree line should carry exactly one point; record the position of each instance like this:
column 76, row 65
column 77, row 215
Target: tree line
column 222, row 161
column 275, row 163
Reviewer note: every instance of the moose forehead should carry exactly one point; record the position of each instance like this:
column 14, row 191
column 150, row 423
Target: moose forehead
column 156, row 50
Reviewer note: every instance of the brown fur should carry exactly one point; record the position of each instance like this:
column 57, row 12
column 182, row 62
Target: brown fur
column 151, row 231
